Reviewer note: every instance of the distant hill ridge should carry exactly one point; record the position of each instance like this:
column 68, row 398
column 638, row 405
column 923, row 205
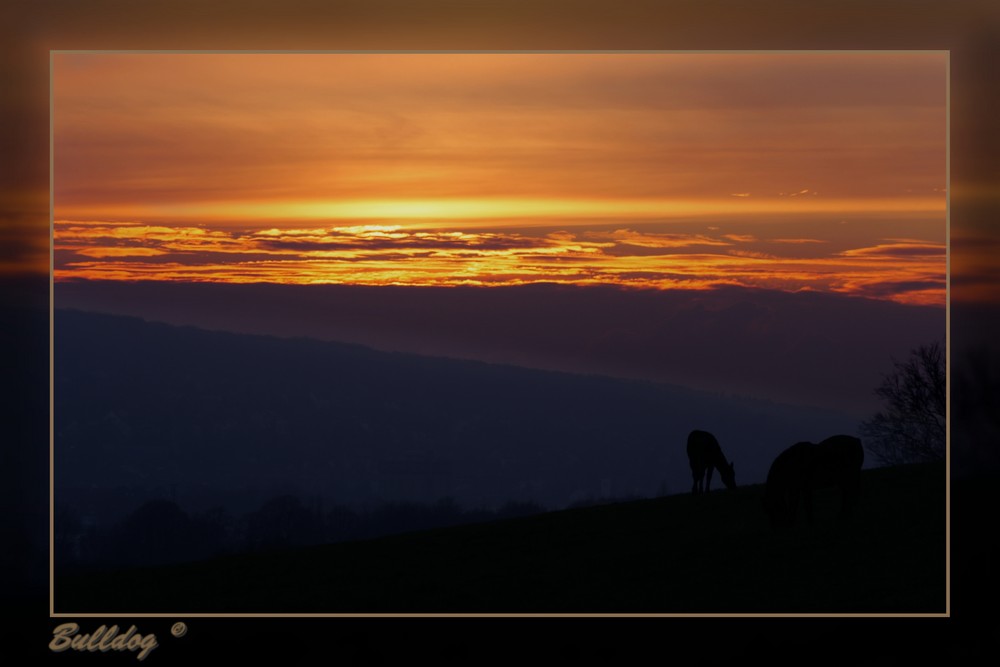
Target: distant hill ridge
column 803, row 348
column 213, row 418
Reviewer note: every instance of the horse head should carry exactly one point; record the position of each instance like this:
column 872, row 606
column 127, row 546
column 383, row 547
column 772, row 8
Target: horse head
column 728, row 474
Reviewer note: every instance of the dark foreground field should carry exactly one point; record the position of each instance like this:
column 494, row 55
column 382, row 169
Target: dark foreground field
column 678, row 554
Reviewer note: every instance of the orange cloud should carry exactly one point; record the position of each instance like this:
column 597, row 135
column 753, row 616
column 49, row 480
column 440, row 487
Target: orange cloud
column 649, row 240
column 798, row 241
column 118, row 252
column 394, row 255
column 898, row 249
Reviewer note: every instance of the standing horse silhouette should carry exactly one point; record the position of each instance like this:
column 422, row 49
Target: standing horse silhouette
column 805, row 467
column 704, row 455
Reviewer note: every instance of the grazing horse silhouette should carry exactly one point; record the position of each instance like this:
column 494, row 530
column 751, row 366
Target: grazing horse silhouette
column 804, row 468
column 704, row 454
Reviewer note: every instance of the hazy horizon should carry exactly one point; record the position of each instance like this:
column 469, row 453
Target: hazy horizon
column 808, row 349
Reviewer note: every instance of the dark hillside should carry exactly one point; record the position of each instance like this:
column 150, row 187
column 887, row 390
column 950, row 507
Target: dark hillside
column 682, row 554
column 209, row 419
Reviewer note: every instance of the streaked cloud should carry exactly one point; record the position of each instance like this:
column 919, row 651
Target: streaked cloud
column 899, row 249
column 395, row 255
column 120, row 252
column 652, row 240
column 752, row 254
column 798, row 241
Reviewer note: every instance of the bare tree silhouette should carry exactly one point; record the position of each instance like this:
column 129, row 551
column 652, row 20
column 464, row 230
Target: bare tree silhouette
column 911, row 427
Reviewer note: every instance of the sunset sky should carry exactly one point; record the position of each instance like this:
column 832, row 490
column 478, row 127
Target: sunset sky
column 787, row 171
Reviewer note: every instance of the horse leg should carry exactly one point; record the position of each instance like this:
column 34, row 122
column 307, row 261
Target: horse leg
column 696, row 476
column 708, row 479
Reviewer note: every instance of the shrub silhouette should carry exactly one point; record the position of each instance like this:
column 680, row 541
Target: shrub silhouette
column 160, row 532
column 283, row 521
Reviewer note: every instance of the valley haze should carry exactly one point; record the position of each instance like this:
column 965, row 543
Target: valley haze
column 805, row 348
column 230, row 395
column 147, row 411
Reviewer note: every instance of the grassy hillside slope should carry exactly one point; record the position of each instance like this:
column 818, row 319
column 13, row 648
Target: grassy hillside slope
column 679, row 554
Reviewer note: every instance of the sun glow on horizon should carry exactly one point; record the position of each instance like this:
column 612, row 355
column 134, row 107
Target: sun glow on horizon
column 818, row 171
column 473, row 212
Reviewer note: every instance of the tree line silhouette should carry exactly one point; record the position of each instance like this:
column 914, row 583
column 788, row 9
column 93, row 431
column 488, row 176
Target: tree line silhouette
column 159, row 531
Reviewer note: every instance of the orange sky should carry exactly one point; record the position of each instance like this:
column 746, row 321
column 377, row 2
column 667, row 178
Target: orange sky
column 790, row 171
